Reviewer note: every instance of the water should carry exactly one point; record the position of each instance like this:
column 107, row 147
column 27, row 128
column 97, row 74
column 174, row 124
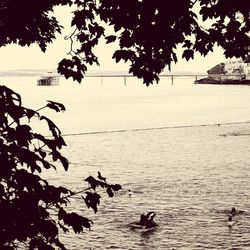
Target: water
column 112, row 106
column 188, row 175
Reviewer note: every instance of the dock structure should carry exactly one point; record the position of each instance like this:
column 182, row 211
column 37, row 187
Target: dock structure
column 125, row 77
column 52, row 80
column 218, row 78
column 48, row 81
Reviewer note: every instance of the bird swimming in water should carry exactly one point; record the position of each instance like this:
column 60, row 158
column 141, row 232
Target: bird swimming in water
column 233, row 211
column 230, row 222
column 130, row 192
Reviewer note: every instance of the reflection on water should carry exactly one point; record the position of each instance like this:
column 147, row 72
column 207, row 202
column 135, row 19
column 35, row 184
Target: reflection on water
column 189, row 176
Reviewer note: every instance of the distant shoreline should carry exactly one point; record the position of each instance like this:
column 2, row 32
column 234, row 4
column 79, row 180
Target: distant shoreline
column 210, row 80
column 38, row 73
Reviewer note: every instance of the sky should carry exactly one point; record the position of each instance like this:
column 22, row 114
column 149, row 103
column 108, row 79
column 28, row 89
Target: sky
column 14, row 57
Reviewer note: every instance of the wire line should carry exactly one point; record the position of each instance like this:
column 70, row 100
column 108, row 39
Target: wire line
column 152, row 128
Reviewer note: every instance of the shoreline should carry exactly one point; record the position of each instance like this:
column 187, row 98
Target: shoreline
column 210, row 80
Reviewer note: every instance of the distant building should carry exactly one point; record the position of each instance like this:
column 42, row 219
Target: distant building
column 247, row 67
column 232, row 69
column 238, row 69
column 217, row 71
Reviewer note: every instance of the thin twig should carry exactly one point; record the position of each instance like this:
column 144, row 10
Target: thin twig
column 26, row 115
column 71, row 41
column 193, row 3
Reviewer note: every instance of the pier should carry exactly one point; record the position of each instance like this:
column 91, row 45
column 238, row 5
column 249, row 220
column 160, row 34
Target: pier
column 48, row 81
column 125, row 77
column 219, row 78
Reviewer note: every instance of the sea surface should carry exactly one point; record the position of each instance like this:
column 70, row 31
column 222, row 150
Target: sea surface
column 183, row 150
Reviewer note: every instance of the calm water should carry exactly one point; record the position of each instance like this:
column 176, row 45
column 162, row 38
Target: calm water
column 188, row 175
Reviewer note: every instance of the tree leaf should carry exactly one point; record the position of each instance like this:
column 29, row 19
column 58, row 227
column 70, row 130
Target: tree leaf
column 116, row 187
column 58, row 107
column 110, row 192
column 110, row 39
column 187, row 54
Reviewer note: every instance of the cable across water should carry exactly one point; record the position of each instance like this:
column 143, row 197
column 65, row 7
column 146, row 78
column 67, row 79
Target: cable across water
column 153, row 128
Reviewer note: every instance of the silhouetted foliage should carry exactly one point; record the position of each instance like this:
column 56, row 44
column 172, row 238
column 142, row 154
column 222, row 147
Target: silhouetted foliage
column 31, row 210
column 148, row 32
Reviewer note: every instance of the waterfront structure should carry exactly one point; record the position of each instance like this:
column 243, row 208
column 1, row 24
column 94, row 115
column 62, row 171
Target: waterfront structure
column 48, row 80
column 247, row 67
column 237, row 69
column 233, row 71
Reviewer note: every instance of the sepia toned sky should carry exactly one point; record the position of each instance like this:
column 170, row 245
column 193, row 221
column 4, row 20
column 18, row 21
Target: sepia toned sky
column 14, row 57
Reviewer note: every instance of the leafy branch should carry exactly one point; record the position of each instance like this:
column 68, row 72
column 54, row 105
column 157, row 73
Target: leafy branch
column 29, row 205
